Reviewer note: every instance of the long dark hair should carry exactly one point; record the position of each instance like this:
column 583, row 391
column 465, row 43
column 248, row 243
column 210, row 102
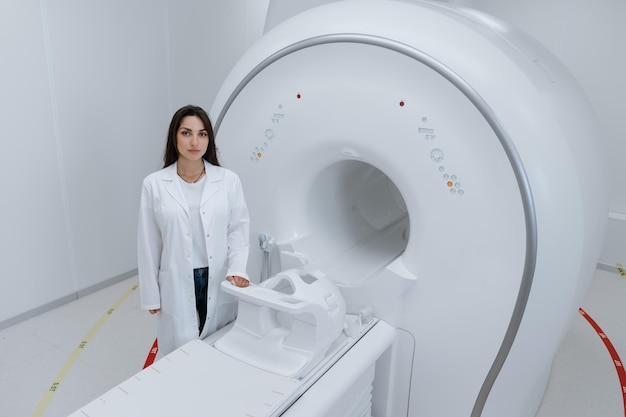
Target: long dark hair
column 171, row 151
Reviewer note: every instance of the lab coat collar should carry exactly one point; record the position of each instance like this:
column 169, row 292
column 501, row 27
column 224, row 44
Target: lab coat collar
column 213, row 177
column 174, row 187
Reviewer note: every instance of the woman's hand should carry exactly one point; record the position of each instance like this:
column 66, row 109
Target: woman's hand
column 238, row 281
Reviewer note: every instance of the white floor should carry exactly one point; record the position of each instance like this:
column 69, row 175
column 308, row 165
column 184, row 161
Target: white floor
column 54, row 363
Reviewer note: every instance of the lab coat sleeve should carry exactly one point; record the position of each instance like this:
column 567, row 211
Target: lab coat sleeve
column 238, row 230
column 149, row 247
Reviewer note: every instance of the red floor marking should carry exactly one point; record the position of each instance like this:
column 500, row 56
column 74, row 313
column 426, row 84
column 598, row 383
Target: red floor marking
column 152, row 354
column 619, row 366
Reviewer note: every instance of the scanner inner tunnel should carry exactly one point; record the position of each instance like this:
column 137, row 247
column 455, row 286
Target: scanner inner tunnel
column 359, row 222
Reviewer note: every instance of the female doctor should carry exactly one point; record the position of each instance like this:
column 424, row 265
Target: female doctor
column 193, row 232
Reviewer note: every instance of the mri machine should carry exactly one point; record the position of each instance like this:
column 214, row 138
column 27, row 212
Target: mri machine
column 437, row 173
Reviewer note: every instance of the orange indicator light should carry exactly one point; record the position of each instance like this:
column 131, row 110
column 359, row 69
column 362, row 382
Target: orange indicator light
column 259, row 155
column 450, row 184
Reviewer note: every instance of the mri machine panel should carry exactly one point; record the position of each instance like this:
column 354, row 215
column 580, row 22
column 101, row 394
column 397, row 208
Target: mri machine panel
column 440, row 168
column 336, row 157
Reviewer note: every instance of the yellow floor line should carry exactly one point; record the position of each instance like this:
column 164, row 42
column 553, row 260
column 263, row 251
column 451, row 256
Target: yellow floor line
column 45, row 401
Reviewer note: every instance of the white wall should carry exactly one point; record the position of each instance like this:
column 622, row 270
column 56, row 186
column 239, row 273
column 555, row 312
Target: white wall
column 34, row 242
column 83, row 107
column 108, row 67
column 207, row 38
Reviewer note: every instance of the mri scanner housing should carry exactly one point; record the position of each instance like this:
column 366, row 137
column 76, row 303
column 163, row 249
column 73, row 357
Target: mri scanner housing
column 443, row 170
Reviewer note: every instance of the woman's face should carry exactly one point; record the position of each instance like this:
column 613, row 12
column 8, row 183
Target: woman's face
column 192, row 139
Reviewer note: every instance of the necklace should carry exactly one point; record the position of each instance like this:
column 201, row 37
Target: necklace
column 194, row 181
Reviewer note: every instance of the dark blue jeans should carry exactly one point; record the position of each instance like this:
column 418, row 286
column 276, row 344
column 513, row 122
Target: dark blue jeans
column 201, row 279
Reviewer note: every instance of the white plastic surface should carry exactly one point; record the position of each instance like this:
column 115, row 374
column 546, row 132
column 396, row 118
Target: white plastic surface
column 287, row 324
column 199, row 380
column 331, row 392
column 194, row 380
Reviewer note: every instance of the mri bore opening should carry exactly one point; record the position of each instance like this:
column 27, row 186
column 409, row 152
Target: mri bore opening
column 360, row 221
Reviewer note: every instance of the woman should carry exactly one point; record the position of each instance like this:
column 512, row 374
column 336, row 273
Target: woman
column 193, row 232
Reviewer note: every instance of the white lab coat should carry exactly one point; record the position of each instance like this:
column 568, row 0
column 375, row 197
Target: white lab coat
column 165, row 251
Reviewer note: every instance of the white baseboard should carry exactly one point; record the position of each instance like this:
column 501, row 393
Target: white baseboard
column 69, row 298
